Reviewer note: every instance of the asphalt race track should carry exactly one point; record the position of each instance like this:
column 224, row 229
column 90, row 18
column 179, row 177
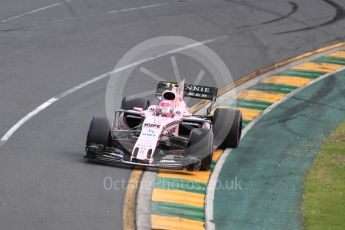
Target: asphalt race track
column 47, row 47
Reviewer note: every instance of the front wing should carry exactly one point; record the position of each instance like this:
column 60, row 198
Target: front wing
column 114, row 155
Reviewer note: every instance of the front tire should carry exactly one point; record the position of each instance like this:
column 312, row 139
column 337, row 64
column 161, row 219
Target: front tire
column 201, row 144
column 130, row 103
column 99, row 134
column 227, row 127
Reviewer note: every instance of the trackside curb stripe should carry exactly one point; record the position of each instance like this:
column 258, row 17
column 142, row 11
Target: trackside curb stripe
column 330, row 60
column 323, row 67
column 293, row 82
column 180, row 184
column 193, row 176
column 245, row 103
column 275, row 88
column 260, row 96
column 340, row 54
column 179, row 197
column 173, row 223
column 179, row 210
column 301, row 73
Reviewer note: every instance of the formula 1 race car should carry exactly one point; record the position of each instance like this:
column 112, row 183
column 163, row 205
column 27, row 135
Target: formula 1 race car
column 165, row 134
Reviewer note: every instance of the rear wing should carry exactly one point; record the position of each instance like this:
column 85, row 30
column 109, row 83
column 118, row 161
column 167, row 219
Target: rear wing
column 194, row 91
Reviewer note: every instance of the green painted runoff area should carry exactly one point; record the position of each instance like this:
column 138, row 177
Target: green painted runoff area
column 274, row 157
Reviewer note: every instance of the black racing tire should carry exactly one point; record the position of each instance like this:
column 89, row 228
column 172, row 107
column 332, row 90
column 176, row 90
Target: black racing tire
column 130, row 103
column 201, row 144
column 99, row 133
column 227, row 127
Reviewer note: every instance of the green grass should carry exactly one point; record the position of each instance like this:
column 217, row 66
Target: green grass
column 324, row 194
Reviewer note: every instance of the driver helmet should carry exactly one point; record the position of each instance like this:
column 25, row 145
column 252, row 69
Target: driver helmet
column 166, row 108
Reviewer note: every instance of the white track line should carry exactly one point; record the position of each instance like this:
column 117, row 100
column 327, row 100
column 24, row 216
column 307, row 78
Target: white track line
column 211, row 187
column 34, row 11
column 175, row 68
column 85, row 16
column 136, row 8
column 110, row 12
column 52, row 100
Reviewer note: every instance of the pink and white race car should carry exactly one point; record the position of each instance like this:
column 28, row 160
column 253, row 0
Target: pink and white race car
column 165, row 134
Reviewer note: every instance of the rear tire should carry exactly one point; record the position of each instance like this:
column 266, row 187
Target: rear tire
column 227, row 127
column 201, row 144
column 99, row 134
column 129, row 104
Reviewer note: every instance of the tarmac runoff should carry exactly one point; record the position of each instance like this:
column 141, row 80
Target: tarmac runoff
column 178, row 197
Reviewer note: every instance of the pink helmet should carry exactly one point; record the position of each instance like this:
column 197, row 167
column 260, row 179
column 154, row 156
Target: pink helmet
column 166, row 108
